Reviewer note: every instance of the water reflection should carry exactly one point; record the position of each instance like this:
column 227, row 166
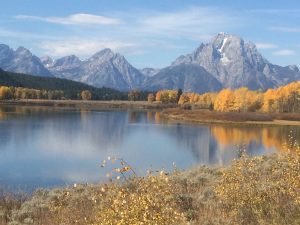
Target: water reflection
column 42, row 146
column 269, row 137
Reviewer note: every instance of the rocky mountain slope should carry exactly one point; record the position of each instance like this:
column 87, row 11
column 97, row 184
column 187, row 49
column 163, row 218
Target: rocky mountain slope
column 188, row 77
column 105, row 68
column 149, row 72
column 236, row 63
column 226, row 62
column 21, row 61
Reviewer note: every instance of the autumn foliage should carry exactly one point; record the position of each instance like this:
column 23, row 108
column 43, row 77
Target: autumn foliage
column 138, row 200
column 239, row 100
column 280, row 100
column 7, row 93
column 283, row 99
column 254, row 190
column 167, row 96
column 86, row 95
column 263, row 190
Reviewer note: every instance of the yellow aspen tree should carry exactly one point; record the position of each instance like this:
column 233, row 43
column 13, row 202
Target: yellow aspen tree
column 224, row 101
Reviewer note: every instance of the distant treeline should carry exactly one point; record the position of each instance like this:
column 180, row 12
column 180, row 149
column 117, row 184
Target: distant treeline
column 30, row 87
column 280, row 100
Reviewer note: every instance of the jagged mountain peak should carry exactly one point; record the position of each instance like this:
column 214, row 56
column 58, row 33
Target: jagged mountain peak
column 5, row 53
column 220, row 39
column 105, row 68
column 70, row 57
column 105, row 54
column 294, row 68
column 24, row 51
column 227, row 61
column 218, row 46
column 21, row 61
column 71, row 60
column 223, row 35
column 73, row 57
column 231, row 43
column 47, row 61
column 235, row 63
column 4, row 46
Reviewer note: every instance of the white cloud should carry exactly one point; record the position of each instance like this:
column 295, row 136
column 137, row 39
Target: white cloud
column 141, row 32
column 82, row 47
column 75, row 19
column 284, row 52
column 197, row 23
column 266, row 46
column 285, row 29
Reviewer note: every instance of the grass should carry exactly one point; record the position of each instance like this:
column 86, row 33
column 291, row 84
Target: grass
column 206, row 116
column 94, row 104
column 257, row 190
column 8, row 203
column 171, row 111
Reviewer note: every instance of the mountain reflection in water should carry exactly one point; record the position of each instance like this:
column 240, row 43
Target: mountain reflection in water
column 43, row 147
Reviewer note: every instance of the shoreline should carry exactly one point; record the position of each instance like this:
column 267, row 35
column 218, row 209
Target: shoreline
column 100, row 105
column 171, row 112
column 86, row 203
column 236, row 119
column 90, row 203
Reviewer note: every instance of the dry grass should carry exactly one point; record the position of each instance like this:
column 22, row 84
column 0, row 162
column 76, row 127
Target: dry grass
column 207, row 116
column 94, row 104
column 286, row 116
column 258, row 190
column 263, row 190
column 8, row 203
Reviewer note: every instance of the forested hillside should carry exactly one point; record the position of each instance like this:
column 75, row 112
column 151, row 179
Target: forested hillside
column 70, row 88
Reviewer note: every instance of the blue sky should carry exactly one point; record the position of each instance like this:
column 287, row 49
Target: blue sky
column 150, row 33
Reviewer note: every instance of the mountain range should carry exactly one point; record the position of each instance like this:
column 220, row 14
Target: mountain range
column 70, row 88
column 104, row 68
column 21, row 61
column 227, row 61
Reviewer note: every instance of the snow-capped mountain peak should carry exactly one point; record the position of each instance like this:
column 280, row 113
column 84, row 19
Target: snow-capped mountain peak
column 227, row 61
column 236, row 63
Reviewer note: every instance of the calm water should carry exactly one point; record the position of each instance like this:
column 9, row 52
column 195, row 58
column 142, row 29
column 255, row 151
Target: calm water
column 43, row 147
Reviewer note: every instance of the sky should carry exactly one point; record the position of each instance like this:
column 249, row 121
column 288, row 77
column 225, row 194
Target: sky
column 149, row 33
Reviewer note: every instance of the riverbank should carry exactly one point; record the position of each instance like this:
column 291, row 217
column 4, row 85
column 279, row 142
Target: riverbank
column 173, row 112
column 95, row 105
column 231, row 118
column 197, row 196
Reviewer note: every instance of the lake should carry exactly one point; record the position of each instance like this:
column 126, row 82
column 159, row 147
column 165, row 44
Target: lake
column 46, row 147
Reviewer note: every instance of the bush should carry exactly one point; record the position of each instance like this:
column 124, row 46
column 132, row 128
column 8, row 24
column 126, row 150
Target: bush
column 263, row 190
column 149, row 200
column 258, row 190
column 86, row 95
